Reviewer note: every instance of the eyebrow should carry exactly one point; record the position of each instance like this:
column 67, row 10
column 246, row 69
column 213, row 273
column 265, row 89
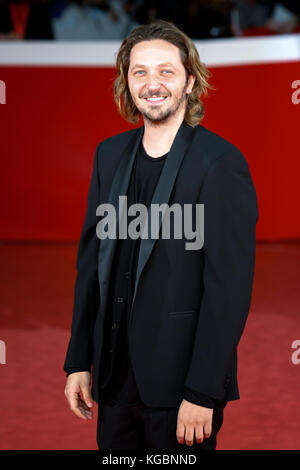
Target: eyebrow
column 165, row 64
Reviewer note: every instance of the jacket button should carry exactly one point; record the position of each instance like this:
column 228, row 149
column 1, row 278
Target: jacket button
column 127, row 275
column 226, row 381
column 120, row 300
column 114, row 325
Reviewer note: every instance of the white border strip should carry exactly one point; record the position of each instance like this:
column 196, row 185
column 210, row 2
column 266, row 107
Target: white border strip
column 213, row 52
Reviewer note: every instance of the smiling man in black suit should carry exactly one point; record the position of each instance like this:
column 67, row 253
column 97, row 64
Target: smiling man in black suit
column 158, row 323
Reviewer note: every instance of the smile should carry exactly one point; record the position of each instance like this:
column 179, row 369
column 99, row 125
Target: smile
column 156, row 99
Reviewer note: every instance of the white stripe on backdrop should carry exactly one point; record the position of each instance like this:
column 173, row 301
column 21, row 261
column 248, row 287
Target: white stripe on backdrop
column 213, row 52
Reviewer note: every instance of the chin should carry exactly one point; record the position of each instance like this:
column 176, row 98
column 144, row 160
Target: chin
column 157, row 117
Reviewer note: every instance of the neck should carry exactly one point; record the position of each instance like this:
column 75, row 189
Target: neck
column 158, row 137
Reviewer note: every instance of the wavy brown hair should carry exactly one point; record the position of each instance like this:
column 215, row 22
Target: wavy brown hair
column 167, row 31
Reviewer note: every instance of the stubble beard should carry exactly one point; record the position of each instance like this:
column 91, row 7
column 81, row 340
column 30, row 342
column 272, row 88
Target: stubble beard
column 157, row 117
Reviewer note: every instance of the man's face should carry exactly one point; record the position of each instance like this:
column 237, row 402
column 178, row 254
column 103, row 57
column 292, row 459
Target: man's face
column 157, row 80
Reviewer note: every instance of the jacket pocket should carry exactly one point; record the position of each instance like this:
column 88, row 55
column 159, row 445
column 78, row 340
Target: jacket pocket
column 184, row 313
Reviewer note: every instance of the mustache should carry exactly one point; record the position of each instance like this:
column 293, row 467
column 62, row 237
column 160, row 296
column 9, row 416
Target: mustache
column 149, row 95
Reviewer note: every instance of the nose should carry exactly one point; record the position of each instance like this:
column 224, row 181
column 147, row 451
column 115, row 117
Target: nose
column 153, row 87
column 153, row 82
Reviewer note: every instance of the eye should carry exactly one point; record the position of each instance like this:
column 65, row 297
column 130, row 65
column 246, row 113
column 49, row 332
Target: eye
column 167, row 71
column 139, row 72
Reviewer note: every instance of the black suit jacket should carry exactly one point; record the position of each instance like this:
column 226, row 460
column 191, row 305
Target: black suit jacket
column 188, row 335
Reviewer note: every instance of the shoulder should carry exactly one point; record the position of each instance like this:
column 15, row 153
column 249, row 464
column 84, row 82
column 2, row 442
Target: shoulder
column 217, row 150
column 109, row 151
column 225, row 164
column 118, row 140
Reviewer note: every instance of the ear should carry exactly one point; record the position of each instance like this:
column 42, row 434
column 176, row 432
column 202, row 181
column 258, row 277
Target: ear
column 191, row 81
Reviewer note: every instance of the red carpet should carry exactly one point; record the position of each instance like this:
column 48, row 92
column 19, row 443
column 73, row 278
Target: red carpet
column 37, row 283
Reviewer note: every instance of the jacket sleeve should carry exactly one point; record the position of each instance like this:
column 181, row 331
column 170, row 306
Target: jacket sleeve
column 198, row 398
column 230, row 217
column 87, row 294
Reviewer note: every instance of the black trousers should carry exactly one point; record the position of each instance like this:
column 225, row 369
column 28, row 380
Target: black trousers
column 142, row 428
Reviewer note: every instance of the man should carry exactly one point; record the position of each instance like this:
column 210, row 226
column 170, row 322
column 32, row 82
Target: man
column 158, row 322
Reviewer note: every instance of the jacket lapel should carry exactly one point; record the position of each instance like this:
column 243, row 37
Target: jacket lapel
column 164, row 188
column 118, row 188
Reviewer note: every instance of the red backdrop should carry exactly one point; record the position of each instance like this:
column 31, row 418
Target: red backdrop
column 55, row 116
